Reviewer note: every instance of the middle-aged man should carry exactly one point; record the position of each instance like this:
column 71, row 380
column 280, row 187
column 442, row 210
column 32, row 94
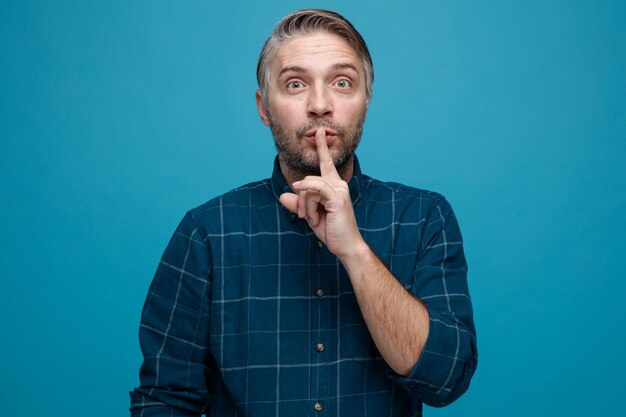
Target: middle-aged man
column 318, row 291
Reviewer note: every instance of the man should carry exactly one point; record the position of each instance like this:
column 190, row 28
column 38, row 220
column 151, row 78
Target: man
column 319, row 291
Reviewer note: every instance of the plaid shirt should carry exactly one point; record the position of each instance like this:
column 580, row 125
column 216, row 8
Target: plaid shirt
column 249, row 314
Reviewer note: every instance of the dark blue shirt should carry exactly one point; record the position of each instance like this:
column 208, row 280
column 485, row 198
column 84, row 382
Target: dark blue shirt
column 249, row 314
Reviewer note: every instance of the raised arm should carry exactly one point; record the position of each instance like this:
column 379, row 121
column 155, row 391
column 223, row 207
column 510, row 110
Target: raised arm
column 397, row 321
column 429, row 343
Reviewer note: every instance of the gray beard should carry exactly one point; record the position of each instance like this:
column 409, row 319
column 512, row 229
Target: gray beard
column 297, row 161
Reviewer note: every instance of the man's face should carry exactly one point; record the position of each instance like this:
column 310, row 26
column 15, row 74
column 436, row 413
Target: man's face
column 316, row 80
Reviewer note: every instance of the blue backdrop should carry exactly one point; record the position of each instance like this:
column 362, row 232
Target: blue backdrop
column 117, row 116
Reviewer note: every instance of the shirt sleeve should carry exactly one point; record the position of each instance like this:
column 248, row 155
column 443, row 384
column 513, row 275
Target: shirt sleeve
column 449, row 358
column 174, row 330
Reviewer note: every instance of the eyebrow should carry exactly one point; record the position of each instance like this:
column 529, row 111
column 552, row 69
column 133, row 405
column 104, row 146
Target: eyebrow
column 298, row 69
column 293, row 68
column 345, row 65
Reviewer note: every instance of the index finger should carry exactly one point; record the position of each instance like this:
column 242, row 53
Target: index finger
column 327, row 166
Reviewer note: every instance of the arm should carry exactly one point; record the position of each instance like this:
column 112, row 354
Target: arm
column 428, row 342
column 449, row 357
column 174, row 330
column 397, row 321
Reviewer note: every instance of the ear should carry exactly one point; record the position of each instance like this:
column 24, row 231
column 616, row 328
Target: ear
column 259, row 104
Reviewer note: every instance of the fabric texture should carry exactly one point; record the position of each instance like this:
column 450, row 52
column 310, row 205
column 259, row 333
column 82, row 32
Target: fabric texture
column 249, row 314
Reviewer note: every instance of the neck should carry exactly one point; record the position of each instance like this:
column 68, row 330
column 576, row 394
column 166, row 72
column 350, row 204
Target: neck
column 292, row 175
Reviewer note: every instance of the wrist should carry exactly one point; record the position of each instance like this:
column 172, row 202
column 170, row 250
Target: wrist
column 355, row 256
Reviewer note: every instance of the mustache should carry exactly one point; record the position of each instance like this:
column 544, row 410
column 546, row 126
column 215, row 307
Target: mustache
column 301, row 131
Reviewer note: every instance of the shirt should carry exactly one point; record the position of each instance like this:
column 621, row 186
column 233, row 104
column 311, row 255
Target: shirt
column 249, row 314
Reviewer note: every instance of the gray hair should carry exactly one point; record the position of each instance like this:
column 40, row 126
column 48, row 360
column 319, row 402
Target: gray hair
column 307, row 21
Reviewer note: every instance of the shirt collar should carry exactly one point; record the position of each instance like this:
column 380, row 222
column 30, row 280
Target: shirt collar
column 279, row 184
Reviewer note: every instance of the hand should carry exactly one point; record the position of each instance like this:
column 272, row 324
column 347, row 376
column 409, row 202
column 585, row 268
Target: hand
column 326, row 205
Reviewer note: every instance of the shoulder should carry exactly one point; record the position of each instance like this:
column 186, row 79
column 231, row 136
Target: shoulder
column 233, row 204
column 403, row 195
column 236, row 197
column 408, row 205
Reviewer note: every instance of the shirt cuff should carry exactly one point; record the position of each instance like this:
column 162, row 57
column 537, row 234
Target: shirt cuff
column 435, row 376
column 140, row 406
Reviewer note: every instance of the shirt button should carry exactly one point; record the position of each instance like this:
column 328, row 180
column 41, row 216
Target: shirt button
column 319, row 347
column 320, row 244
column 319, row 292
column 318, row 406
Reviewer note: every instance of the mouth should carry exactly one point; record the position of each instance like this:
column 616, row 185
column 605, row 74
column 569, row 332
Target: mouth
column 331, row 136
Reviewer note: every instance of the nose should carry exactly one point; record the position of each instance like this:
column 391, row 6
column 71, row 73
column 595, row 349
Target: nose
column 319, row 104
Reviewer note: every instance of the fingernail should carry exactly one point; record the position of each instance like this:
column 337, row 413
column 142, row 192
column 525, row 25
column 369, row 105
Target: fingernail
column 295, row 184
column 299, row 212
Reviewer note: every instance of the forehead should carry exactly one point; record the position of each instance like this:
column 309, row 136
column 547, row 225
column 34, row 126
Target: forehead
column 312, row 51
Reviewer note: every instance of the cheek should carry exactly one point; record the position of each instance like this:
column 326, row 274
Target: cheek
column 352, row 107
column 286, row 113
column 355, row 114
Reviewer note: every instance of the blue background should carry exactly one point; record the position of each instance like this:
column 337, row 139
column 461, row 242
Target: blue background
column 116, row 117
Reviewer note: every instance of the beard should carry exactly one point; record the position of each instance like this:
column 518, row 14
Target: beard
column 301, row 160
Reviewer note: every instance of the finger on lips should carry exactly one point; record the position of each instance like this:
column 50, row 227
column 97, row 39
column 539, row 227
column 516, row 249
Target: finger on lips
column 327, row 167
column 312, row 190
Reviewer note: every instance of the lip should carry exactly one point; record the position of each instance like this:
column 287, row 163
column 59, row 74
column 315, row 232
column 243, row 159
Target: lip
column 330, row 139
column 312, row 132
column 331, row 136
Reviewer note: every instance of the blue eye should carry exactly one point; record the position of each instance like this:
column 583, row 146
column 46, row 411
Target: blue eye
column 294, row 84
column 343, row 83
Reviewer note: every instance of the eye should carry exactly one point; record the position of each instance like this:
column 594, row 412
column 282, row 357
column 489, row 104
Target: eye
column 293, row 85
column 343, row 83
